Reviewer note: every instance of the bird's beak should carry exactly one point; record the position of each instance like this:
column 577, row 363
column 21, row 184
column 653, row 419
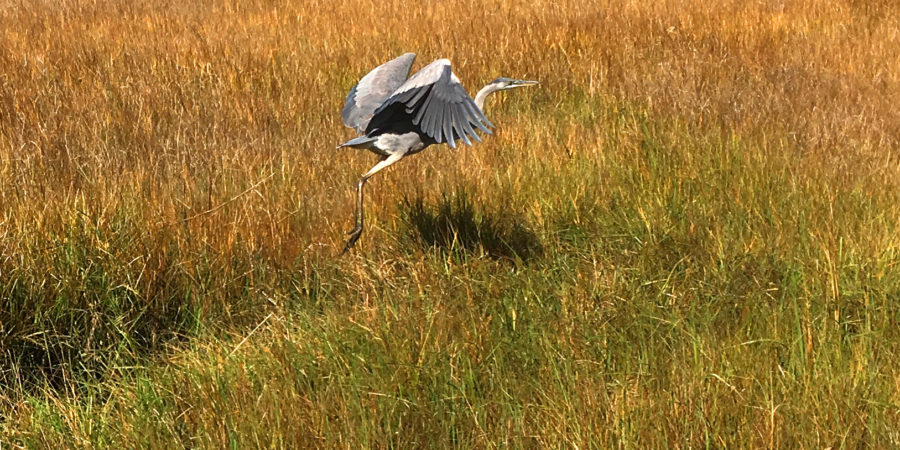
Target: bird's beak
column 521, row 83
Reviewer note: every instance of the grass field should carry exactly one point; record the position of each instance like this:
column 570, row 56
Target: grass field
column 687, row 236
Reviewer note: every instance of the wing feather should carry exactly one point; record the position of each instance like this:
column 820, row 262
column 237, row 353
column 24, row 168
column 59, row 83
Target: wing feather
column 433, row 102
column 373, row 89
column 464, row 118
column 425, row 119
column 473, row 114
column 416, row 96
column 439, row 109
column 458, row 128
column 447, row 120
column 420, row 110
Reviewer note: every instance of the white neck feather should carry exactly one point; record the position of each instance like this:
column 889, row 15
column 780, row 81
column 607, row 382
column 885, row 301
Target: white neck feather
column 483, row 93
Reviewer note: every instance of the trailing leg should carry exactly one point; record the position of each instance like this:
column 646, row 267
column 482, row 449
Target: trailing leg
column 356, row 232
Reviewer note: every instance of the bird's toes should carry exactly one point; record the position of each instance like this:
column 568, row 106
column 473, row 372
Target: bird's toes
column 354, row 236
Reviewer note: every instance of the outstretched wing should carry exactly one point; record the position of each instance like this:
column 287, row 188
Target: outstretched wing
column 435, row 103
column 373, row 89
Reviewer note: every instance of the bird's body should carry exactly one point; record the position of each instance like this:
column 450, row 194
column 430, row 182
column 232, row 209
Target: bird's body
column 398, row 117
column 388, row 143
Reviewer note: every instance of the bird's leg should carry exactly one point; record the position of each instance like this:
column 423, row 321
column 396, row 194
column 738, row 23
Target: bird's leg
column 356, row 232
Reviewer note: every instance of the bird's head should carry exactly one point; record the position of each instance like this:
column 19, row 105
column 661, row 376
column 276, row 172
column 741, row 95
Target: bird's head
column 503, row 83
column 500, row 84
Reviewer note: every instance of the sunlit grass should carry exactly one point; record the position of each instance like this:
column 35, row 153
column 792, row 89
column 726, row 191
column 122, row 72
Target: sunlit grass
column 686, row 236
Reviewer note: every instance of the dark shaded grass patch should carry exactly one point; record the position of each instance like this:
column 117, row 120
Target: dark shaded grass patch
column 92, row 301
column 455, row 223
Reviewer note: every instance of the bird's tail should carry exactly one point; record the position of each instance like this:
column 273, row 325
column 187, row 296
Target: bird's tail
column 359, row 142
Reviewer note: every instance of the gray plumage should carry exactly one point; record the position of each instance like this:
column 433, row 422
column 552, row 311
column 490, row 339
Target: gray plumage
column 397, row 117
column 373, row 89
column 436, row 104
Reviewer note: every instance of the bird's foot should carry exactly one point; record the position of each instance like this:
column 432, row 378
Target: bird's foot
column 354, row 236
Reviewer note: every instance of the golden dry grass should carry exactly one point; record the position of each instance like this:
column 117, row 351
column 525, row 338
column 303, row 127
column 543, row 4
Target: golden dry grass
column 688, row 235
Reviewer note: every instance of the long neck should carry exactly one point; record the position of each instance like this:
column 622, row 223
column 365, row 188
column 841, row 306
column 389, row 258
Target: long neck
column 483, row 93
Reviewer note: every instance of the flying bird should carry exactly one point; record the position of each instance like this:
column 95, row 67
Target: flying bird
column 397, row 117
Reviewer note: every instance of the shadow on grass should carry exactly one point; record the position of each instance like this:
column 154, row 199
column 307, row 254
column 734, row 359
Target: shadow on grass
column 455, row 224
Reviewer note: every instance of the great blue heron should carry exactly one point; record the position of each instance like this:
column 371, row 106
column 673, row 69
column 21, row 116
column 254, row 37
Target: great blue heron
column 397, row 117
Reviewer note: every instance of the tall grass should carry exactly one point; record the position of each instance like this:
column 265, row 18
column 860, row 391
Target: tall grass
column 686, row 236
